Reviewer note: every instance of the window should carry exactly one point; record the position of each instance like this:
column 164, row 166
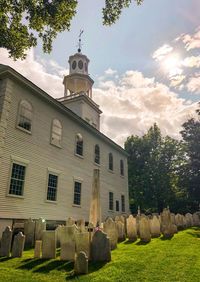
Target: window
column 56, row 132
column 117, row 205
column 17, row 179
column 79, row 144
column 80, row 64
column 110, row 161
column 25, row 115
column 122, row 167
column 111, row 201
column 77, row 193
column 123, row 203
column 97, row 154
column 52, row 187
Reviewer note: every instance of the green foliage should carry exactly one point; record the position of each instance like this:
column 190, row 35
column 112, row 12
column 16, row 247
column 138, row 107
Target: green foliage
column 160, row 260
column 191, row 178
column 23, row 21
column 154, row 165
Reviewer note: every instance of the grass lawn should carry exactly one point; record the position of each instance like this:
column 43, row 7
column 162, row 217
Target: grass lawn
column 172, row 260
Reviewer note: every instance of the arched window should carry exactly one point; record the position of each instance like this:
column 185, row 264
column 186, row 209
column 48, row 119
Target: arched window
column 25, row 115
column 56, row 132
column 97, row 154
column 79, row 144
column 110, row 161
column 122, row 167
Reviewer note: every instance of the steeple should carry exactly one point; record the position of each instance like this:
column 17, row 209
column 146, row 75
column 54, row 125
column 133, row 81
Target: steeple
column 78, row 88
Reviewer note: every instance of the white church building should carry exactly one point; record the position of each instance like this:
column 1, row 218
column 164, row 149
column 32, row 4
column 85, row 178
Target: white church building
column 54, row 161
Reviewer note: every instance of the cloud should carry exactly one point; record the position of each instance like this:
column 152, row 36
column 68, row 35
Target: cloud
column 161, row 52
column 191, row 41
column 191, row 62
column 194, row 84
column 48, row 75
column 110, row 72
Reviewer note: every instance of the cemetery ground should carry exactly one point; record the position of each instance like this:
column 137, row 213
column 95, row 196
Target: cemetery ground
column 172, row 260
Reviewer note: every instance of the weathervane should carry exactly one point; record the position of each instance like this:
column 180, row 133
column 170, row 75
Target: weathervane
column 79, row 41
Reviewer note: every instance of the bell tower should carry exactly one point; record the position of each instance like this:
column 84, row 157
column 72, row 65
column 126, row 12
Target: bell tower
column 78, row 89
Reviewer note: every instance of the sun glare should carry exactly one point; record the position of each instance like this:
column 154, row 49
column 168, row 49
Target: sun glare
column 171, row 62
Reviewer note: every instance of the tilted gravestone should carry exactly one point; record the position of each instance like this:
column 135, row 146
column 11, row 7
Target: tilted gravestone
column 109, row 227
column 6, row 242
column 81, row 263
column 37, row 249
column 70, row 221
column 29, row 232
column 49, row 244
column 100, row 247
column 131, row 228
column 18, row 245
column 155, row 227
column 144, row 229
column 67, row 242
column 167, row 227
column 82, row 241
column 40, row 226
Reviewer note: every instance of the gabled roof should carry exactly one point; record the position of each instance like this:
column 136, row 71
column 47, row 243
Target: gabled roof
column 7, row 71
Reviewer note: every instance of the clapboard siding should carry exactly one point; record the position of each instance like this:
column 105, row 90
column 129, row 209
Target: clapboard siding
column 41, row 155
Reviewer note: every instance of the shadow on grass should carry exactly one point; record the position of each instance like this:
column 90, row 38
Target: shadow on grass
column 129, row 242
column 163, row 238
column 92, row 267
column 195, row 233
column 141, row 243
column 5, row 258
column 55, row 265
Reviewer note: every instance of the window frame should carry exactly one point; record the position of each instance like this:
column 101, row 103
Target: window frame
column 99, row 156
column 110, row 168
column 117, row 205
column 111, row 201
column 79, row 135
column 19, row 116
column 22, row 162
column 123, row 206
column 122, row 168
column 56, row 173
column 77, row 180
column 56, row 142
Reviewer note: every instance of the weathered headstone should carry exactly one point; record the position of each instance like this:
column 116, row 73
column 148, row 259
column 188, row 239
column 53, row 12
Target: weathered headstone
column 196, row 219
column 144, row 229
column 37, row 250
column 29, row 232
column 121, row 231
column 81, row 263
column 18, row 245
column 67, row 242
column 100, row 247
column 167, row 228
column 6, row 242
column 70, row 221
column 179, row 221
column 110, row 229
column 131, row 228
column 40, row 226
column 49, row 244
column 189, row 219
column 155, row 227
column 81, row 225
column 82, row 243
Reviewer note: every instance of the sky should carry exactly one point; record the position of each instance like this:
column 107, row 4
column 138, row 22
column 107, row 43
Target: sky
column 146, row 66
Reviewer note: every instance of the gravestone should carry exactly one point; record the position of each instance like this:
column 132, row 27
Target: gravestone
column 131, row 228
column 70, row 221
column 189, row 219
column 81, row 225
column 67, row 242
column 81, row 263
column 40, row 226
column 179, row 221
column 167, row 228
column 155, row 227
column 196, row 219
column 18, row 245
column 120, row 230
column 37, row 250
column 49, row 245
column 109, row 227
column 173, row 218
column 6, row 242
column 82, row 243
column 100, row 247
column 144, row 229
column 29, row 232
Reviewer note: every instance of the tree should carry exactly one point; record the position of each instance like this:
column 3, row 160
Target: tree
column 154, row 166
column 22, row 22
column 191, row 137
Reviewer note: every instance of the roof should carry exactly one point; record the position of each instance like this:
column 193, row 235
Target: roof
column 7, row 71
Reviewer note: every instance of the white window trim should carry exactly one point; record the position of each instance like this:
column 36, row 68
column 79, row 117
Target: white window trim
column 80, row 180
column 75, row 143
column 61, row 140
column 18, row 118
column 54, row 172
column 20, row 161
column 113, row 210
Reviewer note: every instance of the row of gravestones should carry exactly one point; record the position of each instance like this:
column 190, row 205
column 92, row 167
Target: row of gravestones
column 145, row 228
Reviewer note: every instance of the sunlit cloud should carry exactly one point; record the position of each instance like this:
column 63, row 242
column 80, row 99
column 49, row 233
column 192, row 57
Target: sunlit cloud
column 191, row 62
column 191, row 41
column 194, row 84
column 162, row 52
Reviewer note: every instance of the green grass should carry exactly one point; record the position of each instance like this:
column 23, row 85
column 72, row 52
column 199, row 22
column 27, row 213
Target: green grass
column 172, row 260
